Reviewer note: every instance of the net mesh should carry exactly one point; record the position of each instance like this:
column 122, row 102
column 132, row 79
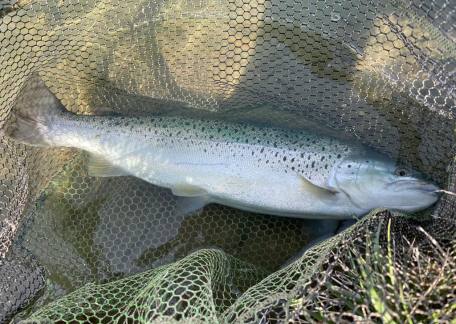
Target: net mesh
column 74, row 247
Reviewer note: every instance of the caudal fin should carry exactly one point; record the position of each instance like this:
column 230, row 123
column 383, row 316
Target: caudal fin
column 36, row 111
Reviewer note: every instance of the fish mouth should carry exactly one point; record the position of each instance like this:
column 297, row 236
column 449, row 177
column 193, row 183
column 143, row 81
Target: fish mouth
column 414, row 185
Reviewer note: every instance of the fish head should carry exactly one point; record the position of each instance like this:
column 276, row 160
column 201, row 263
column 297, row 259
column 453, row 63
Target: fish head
column 375, row 181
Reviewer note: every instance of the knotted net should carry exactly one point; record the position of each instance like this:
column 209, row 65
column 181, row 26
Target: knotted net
column 78, row 248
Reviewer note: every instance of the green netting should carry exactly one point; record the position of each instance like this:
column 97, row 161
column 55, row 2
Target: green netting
column 380, row 72
column 199, row 287
column 376, row 276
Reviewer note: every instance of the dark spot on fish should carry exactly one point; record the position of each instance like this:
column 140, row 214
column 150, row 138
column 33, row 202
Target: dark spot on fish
column 326, row 166
column 219, row 130
column 339, row 156
column 322, row 158
column 262, row 150
column 267, row 161
column 276, row 153
column 313, row 164
column 349, row 166
column 284, row 158
column 323, row 148
column 302, row 155
column 292, row 160
column 293, row 168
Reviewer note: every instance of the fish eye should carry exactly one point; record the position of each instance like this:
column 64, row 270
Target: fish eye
column 401, row 172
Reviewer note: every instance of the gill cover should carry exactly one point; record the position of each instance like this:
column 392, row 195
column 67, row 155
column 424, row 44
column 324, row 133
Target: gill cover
column 374, row 181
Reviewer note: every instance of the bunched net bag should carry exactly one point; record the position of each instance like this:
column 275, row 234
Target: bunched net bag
column 79, row 248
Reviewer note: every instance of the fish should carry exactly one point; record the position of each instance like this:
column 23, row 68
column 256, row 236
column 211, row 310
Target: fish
column 291, row 173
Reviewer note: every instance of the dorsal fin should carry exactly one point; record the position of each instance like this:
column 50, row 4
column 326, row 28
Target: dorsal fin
column 317, row 190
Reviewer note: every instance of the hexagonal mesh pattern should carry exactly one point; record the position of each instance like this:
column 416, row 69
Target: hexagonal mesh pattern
column 22, row 278
column 181, row 290
column 380, row 72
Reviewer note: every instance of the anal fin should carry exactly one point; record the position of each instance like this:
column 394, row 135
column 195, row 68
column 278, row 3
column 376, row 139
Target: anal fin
column 189, row 205
column 100, row 167
column 188, row 190
column 191, row 198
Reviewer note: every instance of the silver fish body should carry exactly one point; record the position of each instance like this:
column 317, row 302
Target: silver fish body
column 259, row 169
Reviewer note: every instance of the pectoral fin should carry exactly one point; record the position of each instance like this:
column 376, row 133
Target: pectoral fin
column 323, row 192
column 100, row 167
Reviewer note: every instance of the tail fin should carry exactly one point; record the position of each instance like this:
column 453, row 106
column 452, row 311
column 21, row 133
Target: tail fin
column 36, row 111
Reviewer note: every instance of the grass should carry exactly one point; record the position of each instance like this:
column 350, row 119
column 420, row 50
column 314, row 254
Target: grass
column 384, row 278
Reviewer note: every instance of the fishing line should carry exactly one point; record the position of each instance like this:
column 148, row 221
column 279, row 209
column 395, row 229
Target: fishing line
column 451, row 193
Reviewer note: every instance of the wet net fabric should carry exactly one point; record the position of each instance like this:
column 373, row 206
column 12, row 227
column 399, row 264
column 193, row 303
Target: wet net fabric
column 78, row 248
